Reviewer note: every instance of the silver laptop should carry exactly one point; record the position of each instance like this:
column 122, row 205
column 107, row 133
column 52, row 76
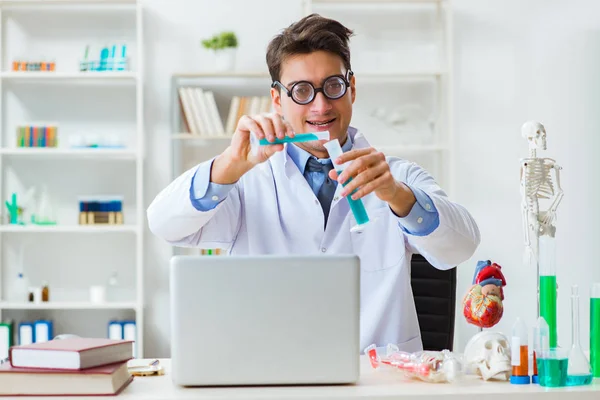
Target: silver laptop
column 264, row 320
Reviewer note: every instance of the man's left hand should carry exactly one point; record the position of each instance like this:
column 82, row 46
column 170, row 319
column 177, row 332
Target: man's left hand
column 369, row 172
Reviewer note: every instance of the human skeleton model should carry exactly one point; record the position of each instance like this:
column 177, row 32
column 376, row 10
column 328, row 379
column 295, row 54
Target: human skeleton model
column 537, row 183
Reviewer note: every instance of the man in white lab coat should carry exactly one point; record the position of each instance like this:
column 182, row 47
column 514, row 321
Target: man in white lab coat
column 287, row 199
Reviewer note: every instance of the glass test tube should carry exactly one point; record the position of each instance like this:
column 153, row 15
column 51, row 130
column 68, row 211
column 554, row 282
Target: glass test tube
column 520, row 354
column 595, row 329
column 358, row 208
column 547, row 285
column 536, row 348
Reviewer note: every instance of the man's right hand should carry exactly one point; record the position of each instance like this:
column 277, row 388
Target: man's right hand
column 238, row 158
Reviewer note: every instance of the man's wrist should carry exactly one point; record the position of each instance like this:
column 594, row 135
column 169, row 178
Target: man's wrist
column 226, row 170
column 403, row 201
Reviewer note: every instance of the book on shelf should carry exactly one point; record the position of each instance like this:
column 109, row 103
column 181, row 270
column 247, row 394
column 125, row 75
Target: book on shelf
column 200, row 113
column 105, row 380
column 73, row 353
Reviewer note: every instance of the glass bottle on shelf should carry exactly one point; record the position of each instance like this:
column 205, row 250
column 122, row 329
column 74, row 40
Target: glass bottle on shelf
column 112, row 287
column 45, row 291
column 20, row 289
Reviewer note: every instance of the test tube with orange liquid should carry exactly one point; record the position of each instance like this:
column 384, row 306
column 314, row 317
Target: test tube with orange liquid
column 520, row 354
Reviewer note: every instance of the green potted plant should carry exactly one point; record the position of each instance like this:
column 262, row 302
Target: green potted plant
column 223, row 47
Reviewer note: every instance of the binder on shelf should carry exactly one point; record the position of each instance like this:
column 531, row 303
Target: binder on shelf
column 188, row 112
column 232, row 116
column 6, row 338
column 129, row 333
column 26, row 333
column 199, row 117
column 115, row 330
column 213, row 112
column 43, row 331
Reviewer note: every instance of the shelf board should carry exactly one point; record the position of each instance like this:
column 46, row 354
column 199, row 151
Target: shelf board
column 399, row 75
column 371, row 3
column 51, row 76
column 374, row 1
column 396, row 149
column 189, row 136
column 30, row 3
column 223, row 74
column 96, row 153
column 68, row 228
column 67, row 305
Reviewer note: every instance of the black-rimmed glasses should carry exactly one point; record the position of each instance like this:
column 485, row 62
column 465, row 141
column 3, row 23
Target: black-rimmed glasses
column 303, row 92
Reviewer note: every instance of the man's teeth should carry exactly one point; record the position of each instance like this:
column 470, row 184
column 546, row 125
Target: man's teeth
column 320, row 123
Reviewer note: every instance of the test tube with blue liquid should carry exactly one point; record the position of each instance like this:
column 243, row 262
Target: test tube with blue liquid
column 358, row 208
column 255, row 142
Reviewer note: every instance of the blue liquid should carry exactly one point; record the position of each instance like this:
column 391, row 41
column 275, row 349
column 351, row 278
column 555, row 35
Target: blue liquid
column 357, row 206
column 552, row 372
column 298, row 138
column 578, row 380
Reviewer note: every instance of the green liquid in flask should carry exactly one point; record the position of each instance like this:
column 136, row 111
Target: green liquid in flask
column 548, row 304
column 579, row 380
column 595, row 336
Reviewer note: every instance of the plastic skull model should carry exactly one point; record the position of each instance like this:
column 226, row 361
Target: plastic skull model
column 488, row 354
column 535, row 133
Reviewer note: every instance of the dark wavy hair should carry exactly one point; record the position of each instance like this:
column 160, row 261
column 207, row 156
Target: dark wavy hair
column 311, row 33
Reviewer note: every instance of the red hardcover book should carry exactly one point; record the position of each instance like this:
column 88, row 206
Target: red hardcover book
column 106, row 380
column 71, row 353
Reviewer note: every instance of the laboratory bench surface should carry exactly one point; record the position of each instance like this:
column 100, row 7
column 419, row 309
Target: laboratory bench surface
column 373, row 384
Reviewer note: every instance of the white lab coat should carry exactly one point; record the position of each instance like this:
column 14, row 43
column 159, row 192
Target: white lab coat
column 272, row 210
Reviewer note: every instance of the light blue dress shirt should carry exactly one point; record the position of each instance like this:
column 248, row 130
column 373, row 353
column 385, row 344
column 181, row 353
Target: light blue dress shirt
column 205, row 195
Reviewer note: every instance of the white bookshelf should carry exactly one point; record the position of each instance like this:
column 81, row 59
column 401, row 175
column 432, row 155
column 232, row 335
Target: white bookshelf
column 73, row 77
column 73, row 257
column 76, row 229
column 100, row 153
column 63, row 305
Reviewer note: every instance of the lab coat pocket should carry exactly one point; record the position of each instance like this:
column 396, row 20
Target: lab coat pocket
column 380, row 245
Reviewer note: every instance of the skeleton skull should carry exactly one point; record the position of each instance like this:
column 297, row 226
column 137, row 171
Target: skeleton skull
column 488, row 355
column 535, row 133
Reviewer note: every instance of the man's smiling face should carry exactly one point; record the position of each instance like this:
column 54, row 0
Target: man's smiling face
column 322, row 114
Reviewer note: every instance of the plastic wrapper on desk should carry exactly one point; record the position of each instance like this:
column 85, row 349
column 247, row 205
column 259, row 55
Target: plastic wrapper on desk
column 427, row 366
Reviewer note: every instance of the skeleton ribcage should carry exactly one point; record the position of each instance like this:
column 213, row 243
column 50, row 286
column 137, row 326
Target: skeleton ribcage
column 539, row 182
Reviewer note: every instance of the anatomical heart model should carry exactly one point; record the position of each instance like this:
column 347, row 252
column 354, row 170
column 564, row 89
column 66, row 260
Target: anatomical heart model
column 482, row 305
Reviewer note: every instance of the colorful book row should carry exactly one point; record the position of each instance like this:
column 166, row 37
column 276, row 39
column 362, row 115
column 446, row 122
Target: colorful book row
column 37, row 136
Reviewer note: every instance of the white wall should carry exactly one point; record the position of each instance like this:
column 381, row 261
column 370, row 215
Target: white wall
column 514, row 61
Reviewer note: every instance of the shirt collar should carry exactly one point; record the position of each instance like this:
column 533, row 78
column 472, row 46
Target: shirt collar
column 301, row 156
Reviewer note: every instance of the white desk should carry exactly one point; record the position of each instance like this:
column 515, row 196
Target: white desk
column 373, row 384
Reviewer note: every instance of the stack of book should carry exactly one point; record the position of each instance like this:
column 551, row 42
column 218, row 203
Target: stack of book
column 201, row 115
column 67, row 367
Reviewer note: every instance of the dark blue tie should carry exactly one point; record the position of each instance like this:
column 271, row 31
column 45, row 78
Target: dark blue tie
column 327, row 190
